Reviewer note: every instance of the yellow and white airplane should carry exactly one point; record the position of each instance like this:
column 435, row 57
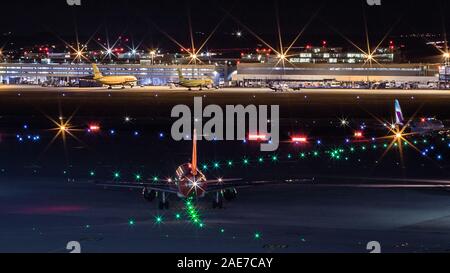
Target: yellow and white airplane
column 113, row 80
column 196, row 83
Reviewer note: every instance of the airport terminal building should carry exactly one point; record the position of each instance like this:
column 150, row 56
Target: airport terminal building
column 423, row 73
column 241, row 75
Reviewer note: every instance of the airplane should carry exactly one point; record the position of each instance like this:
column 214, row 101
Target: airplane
column 113, row 80
column 190, row 182
column 198, row 83
column 422, row 126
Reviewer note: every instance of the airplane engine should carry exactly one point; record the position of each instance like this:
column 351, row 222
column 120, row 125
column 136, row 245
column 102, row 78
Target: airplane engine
column 230, row 194
column 149, row 195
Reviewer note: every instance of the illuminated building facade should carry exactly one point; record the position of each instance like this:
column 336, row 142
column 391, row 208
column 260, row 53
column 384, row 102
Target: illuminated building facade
column 11, row 73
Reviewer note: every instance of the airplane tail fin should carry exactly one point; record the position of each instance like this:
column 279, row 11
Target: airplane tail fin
column 399, row 119
column 194, row 163
column 97, row 73
column 180, row 75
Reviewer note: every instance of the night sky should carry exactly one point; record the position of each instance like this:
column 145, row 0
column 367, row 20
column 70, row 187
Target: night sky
column 44, row 20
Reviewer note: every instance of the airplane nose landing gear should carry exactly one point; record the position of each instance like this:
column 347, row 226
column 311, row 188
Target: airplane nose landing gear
column 163, row 202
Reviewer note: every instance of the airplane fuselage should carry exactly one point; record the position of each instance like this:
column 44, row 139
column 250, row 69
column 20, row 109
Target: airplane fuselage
column 118, row 80
column 197, row 83
column 426, row 126
column 190, row 185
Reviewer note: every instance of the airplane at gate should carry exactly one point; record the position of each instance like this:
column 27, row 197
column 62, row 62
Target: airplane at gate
column 113, row 80
column 197, row 83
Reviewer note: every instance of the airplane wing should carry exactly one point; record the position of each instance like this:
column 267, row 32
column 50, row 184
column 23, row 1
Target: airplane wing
column 157, row 186
column 239, row 183
column 213, row 185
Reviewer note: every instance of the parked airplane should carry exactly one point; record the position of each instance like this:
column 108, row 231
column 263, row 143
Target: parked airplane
column 190, row 182
column 113, row 80
column 197, row 83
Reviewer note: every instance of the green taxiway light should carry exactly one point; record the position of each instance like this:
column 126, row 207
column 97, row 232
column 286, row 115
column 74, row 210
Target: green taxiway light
column 158, row 220
column 257, row 236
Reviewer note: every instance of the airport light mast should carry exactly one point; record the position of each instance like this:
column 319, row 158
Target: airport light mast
column 152, row 55
column 446, row 56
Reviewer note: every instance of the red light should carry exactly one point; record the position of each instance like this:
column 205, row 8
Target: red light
column 94, row 128
column 299, row 139
column 359, row 134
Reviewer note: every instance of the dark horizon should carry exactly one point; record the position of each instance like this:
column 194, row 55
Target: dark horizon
column 138, row 17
